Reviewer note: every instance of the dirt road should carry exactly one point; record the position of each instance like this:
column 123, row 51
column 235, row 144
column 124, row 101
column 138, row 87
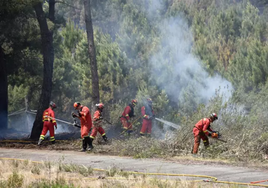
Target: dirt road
column 222, row 172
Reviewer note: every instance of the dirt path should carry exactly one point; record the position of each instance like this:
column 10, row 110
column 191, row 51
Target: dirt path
column 222, row 172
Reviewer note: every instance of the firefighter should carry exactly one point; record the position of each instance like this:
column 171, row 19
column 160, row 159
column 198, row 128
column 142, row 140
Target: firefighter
column 97, row 124
column 127, row 114
column 148, row 115
column 202, row 130
column 49, row 122
column 86, row 124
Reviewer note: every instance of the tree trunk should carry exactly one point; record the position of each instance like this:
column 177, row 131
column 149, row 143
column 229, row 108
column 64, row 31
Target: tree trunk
column 3, row 91
column 48, row 60
column 92, row 54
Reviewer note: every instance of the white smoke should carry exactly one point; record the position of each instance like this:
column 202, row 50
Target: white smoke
column 177, row 70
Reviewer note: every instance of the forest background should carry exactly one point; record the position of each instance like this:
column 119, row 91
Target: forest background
column 191, row 57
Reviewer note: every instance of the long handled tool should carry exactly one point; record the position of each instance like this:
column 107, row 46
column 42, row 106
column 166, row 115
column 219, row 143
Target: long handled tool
column 132, row 124
column 219, row 139
column 107, row 121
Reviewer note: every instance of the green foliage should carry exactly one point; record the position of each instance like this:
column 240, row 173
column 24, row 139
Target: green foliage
column 36, row 169
column 111, row 172
column 136, row 60
column 16, row 97
column 59, row 183
column 15, row 180
column 85, row 171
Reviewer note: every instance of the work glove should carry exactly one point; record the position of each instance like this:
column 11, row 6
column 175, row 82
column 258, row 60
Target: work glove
column 214, row 135
column 56, row 127
column 74, row 115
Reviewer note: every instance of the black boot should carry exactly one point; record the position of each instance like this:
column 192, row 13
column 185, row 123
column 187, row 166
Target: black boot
column 105, row 138
column 53, row 142
column 90, row 146
column 84, row 145
column 129, row 132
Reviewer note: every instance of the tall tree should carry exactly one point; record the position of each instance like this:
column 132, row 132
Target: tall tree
column 92, row 53
column 48, row 60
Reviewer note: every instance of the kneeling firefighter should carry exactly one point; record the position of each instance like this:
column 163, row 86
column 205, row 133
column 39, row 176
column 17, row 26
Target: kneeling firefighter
column 97, row 124
column 86, row 124
column 202, row 130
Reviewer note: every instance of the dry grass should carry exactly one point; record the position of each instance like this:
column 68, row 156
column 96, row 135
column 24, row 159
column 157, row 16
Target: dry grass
column 18, row 173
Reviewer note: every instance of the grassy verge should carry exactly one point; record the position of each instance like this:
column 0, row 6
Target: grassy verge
column 14, row 174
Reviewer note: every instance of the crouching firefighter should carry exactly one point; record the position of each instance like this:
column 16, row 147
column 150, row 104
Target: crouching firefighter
column 202, row 130
column 127, row 114
column 97, row 124
column 148, row 115
column 86, row 124
column 49, row 122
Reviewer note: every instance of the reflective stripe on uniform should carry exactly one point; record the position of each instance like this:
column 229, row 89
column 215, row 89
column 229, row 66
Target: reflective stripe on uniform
column 42, row 137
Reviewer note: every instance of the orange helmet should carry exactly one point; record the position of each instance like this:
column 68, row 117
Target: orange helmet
column 100, row 106
column 52, row 104
column 76, row 105
column 214, row 115
column 134, row 102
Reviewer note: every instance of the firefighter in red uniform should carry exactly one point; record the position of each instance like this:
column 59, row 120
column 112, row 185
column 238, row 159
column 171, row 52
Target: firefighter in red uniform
column 86, row 124
column 202, row 130
column 148, row 115
column 97, row 124
column 49, row 122
column 127, row 114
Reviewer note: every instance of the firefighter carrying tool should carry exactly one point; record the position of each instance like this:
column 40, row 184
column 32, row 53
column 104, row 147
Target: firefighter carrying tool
column 202, row 130
column 86, row 123
column 148, row 115
column 127, row 114
column 97, row 125
column 48, row 123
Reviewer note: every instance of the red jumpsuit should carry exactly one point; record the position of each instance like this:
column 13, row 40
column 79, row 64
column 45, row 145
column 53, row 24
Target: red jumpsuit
column 126, row 115
column 201, row 130
column 146, row 112
column 85, row 121
column 97, row 123
column 48, row 124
